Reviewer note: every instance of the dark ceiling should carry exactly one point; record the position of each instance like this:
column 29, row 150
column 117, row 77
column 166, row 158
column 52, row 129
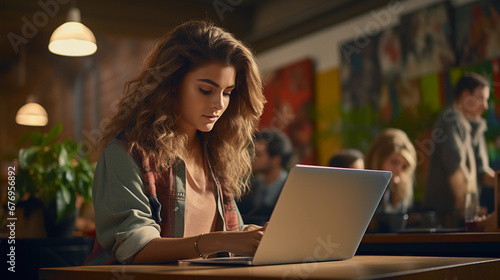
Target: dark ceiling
column 151, row 18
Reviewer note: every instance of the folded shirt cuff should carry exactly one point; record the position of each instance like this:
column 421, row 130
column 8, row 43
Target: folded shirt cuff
column 134, row 242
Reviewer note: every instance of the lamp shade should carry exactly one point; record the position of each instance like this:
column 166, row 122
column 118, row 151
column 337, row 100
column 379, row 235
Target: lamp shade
column 73, row 38
column 32, row 114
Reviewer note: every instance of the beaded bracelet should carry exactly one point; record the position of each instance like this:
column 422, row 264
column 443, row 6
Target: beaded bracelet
column 196, row 247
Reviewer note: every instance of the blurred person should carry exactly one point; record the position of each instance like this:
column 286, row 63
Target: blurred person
column 347, row 158
column 273, row 149
column 176, row 153
column 459, row 161
column 393, row 151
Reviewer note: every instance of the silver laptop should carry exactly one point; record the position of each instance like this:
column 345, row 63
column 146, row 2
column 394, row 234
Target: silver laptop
column 321, row 215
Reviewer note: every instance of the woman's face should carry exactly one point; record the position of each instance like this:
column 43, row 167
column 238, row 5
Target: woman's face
column 397, row 164
column 204, row 96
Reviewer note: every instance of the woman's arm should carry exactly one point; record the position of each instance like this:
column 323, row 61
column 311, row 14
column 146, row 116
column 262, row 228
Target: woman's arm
column 171, row 249
column 124, row 223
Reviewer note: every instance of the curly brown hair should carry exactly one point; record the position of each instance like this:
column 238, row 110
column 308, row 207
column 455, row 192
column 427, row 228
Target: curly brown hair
column 148, row 110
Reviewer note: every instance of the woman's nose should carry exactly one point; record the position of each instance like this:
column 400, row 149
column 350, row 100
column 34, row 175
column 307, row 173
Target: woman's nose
column 218, row 101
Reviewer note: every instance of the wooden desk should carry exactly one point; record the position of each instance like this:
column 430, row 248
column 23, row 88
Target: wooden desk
column 463, row 244
column 359, row 267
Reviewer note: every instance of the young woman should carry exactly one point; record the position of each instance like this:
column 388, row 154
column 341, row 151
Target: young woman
column 176, row 153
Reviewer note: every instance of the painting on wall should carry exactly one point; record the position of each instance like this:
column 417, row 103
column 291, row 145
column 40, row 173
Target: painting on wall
column 360, row 74
column 289, row 92
column 390, row 53
column 477, row 35
column 426, row 41
column 400, row 100
column 328, row 114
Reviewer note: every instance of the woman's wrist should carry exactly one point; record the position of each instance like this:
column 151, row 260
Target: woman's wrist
column 197, row 249
column 209, row 243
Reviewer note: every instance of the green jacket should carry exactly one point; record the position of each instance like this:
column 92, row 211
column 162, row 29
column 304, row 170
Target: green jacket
column 124, row 217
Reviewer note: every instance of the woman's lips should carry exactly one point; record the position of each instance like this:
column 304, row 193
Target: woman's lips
column 211, row 118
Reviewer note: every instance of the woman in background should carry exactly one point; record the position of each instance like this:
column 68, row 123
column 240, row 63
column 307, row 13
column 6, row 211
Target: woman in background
column 176, row 153
column 393, row 151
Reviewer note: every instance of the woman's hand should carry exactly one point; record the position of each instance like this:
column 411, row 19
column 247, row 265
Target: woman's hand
column 171, row 249
column 250, row 227
column 246, row 242
column 236, row 242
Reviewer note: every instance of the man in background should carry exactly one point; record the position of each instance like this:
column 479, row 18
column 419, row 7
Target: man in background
column 273, row 150
column 459, row 162
column 348, row 158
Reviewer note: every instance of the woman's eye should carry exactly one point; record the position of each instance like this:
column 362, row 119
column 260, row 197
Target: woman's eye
column 228, row 93
column 205, row 91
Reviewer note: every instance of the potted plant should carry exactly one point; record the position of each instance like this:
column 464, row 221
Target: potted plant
column 53, row 173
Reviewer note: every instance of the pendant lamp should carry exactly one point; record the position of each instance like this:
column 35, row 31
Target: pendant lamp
column 32, row 114
column 73, row 38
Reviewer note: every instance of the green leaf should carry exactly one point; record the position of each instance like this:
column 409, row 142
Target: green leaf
column 36, row 138
column 63, row 201
column 71, row 146
column 54, row 132
column 55, row 150
column 69, row 175
column 26, row 157
column 24, row 138
column 63, row 157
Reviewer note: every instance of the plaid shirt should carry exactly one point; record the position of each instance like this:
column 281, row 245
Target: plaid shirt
column 165, row 192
